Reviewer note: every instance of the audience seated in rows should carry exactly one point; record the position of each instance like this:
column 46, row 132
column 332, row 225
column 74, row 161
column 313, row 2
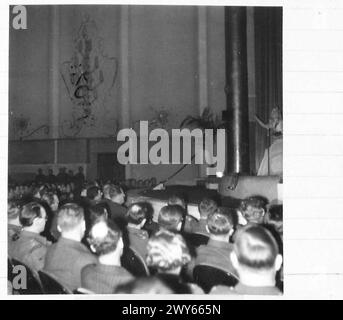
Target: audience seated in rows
column 106, row 242
column 256, row 258
column 98, row 222
column 28, row 246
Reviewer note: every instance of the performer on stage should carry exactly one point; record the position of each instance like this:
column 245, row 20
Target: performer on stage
column 272, row 160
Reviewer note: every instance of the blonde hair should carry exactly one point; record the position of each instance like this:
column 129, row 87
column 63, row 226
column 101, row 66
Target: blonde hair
column 167, row 251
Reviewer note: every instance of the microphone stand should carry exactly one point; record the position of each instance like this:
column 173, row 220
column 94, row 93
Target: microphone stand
column 269, row 141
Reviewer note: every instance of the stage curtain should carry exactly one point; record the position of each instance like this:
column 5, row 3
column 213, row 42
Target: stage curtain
column 268, row 70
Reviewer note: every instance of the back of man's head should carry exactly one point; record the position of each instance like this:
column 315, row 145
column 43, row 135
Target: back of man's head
column 111, row 191
column 170, row 217
column 70, row 217
column 29, row 212
column 98, row 212
column 206, row 207
column 136, row 214
column 93, row 192
column 104, row 237
column 256, row 249
column 222, row 222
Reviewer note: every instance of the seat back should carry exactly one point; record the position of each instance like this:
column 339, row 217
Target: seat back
column 30, row 284
column 196, row 239
column 9, row 269
column 82, row 291
column 51, row 285
column 134, row 263
column 207, row 277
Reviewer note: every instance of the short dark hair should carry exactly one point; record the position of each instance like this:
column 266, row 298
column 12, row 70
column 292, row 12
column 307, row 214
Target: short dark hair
column 257, row 205
column 256, row 248
column 221, row 221
column 97, row 212
column 275, row 213
column 136, row 213
column 29, row 212
column 92, row 192
column 112, row 190
column 69, row 216
column 177, row 200
column 207, row 206
column 170, row 216
column 104, row 237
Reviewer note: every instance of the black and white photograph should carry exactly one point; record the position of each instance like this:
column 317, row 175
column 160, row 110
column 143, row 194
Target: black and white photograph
column 145, row 150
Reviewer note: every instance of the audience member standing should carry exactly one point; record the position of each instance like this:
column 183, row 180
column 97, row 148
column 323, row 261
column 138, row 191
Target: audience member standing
column 51, row 178
column 79, row 178
column 40, row 177
column 62, row 176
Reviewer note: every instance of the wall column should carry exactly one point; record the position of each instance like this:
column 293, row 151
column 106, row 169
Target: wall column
column 202, row 68
column 54, row 77
column 124, row 73
column 237, row 90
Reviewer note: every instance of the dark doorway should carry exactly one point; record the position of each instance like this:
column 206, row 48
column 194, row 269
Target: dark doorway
column 109, row 168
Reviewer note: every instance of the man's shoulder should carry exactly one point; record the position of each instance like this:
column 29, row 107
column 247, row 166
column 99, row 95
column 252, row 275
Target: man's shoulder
column 88, row 268
column 240, row 289
column 138, row 234
column 220, row 289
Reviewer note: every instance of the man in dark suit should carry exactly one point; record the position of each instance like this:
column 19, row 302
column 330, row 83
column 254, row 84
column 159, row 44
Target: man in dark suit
column 114, row 197
column 105, row 239
column 138, row 238
column 217, row 251
column 68, row 255
column 256, row 258
column 28, row 246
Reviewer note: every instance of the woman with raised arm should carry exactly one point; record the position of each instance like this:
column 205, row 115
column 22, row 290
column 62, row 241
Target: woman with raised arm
column 271, row 163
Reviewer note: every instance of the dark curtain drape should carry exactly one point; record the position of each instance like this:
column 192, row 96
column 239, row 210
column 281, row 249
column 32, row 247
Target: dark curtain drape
column 268, row 70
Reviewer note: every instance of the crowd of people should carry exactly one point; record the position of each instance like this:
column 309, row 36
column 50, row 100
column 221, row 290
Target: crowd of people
column 78, row 232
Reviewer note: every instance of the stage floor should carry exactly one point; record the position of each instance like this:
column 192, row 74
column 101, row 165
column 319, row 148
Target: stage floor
column 192, row 194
